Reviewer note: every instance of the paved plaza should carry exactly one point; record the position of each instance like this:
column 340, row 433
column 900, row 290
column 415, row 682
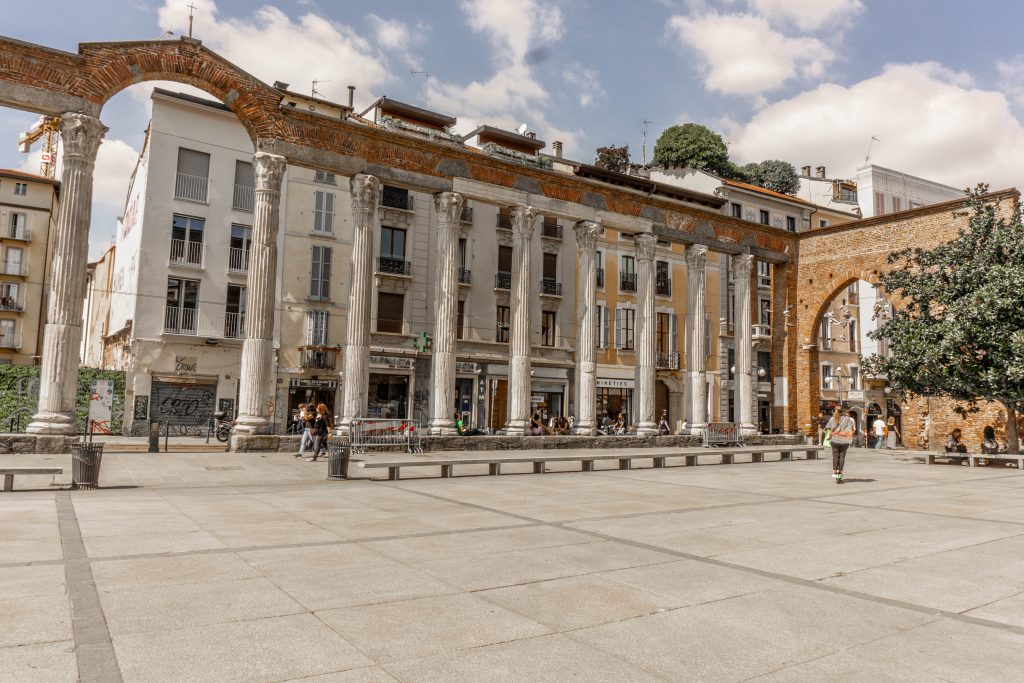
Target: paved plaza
column 234, row 567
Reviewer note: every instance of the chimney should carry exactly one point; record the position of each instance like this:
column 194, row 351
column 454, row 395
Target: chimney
column 351, row 95
column 557, row 145
column 820, row 172
column 531, row 135
column 805, row 171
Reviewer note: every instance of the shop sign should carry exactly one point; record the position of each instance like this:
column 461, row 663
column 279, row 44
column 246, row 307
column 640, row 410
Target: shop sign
column 856, row 395
column 615, row 383
column 467, row 367
column 301, row 383
column 547, row 388
column 186, row 365
column 396, row 362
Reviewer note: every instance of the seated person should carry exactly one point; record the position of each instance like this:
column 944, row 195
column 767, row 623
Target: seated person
column 562, row 426
column 954, row 444
column 537, row 427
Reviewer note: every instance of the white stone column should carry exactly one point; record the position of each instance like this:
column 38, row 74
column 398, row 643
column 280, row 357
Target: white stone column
column 696, row 353
column 58, row 379
column 523, row 220
column 446, row 307
column 356, row 378
column 742, row 265
column 646, row 349
column 586, row 327
column 255, row 392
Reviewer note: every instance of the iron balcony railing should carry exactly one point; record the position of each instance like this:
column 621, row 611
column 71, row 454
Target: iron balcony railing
column 393, row 266
column 467, row 214
column 10, row 341
column 19, row 268
column 180, row 320
column 501, row 334
column 186, row 254
column 504, row 221
column 12, row 304
column 464, row 275
column 551, row 229
column 764, row 332
column 194, row 188
column 234, row 325
column 20, row 234
column 663, row 286
column 826, row 344
column 666, row 361
column 318, row 357
column 627, row 282
column 238, row 260
column 550, row 287
column 396, row 200
column 503, row 281
column 600, row 277
column 244, row 198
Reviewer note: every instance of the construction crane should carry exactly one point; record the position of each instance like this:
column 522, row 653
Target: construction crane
column 47, row 128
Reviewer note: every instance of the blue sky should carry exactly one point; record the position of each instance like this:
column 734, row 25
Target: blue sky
column 808, row 81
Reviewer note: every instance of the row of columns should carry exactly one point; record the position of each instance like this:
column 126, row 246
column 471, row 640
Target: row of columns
column 82, row 135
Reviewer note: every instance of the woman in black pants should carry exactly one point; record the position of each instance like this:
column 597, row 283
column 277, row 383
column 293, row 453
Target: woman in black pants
column 842, row 429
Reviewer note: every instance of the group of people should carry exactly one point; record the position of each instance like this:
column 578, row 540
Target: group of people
column 557, row 426
column 316, row 424
column 884, row 433
column 989, row 445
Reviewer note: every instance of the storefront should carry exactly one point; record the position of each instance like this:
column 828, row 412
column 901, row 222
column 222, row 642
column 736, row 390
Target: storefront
column 469, row 394
column 303, row 390
column 547, row 400
column 548, row 393
column 614, row 396
column 182, row 400
column 390, row 387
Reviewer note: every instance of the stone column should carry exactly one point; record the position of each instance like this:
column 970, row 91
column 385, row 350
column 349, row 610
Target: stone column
column 446, row 307
column 696, row 353
column 523, row 219
column 586, row 327
column 356, row 380
column 58, row 379
column 646, row 348
column 255, row 408
column 742, row 265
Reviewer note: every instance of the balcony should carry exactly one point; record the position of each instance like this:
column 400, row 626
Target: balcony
column 551, row 229
column 192, row 188
column 11, row 304
column 504, row 221
column 180, row 320
column 627, row 282
column 185, row 254
column 549, row 287
column 19, row 234
column 318, row 357
column 393, row 199
column 464, row 274
column 393, row 266
column 234, row 325
column 825, row 344
column 19, row 268
column 503, row 281
column 666, row 361
column 238, row 260
column 663, row 286
column 10, row 341
column 244, row 198
column 467, row 214
column 600, row 277
column 761, row 332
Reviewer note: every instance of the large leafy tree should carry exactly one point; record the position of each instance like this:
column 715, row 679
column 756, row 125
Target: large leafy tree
column 612, row 158
column 692, row 144
column 958, row 327
column 776, row 175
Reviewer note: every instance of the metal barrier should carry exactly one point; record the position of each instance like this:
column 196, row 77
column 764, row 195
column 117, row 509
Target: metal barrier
column 370, row 434
column 722, row 434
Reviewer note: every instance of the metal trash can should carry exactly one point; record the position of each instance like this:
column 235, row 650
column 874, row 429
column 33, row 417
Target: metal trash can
column 338, row 454
column 85, row 465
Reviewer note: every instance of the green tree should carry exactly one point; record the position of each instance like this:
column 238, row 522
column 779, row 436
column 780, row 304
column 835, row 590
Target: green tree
column 612, row 158
column 776, row 175
column 959, row 331
column 692, row 144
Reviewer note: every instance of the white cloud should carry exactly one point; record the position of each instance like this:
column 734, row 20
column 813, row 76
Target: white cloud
column 930, row 120
column 743, row 55
column 809, row 15
column 1011, row 75
column 515, row 26
column 585, row 81
column 397, row 37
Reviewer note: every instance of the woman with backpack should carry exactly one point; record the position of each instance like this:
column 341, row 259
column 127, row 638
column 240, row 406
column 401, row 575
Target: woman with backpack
column 840, row 431
column 321, row 430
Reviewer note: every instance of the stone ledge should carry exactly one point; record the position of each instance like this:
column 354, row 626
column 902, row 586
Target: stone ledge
column 13, row 444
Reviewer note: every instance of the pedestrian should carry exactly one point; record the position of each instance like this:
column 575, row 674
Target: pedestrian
column 321, row 431
column 841, row 430
column 663, row 427
column 306, row 417
column 892, row 435
column 878, row 431
column 954, row 444
column 822, row 421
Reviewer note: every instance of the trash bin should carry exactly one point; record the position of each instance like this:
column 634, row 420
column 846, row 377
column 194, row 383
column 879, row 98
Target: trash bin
column 338, row 454
column 85, row 465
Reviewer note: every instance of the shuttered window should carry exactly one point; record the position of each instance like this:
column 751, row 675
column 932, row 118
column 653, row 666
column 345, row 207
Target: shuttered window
column 323, row 211
column 625, row 327
column 390, row 311
column 320, row 273
column 316, row 328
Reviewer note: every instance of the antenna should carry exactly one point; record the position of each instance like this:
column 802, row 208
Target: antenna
column 522, row 129
column 316, row 92
column 190, row 8
column 646, row 123
column 867, row 157
column 426, row 83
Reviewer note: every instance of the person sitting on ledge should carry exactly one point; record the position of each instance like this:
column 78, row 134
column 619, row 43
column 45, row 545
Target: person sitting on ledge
column 955, row 445
column 562, row 426
column 460, row 426
column 537, row 427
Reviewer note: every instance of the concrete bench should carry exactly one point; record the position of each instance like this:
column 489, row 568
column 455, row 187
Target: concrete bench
column 9, row 473
column 587, row 460
column 973, row 458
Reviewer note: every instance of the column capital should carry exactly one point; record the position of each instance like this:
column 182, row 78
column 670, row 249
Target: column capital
column 586, row 234
column 523, row 220
column 697, row 256
column 365, row 190
column 449, row 206
column 645, row 246
column 742, row 264
column 81, row 135
column 269, row 170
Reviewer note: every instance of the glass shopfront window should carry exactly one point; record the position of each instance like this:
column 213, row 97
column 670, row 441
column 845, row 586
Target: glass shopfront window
column 388, row 396
column 612, row 401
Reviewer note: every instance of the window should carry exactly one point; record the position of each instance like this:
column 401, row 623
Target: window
column 501, row 334
column 791, row 223
column 21, row 189
column 9, row 300
column 599, row 266
column 826, row 376
column 854, row 378
column 238, row 253
column 764, row 362
column 8, row 338
column 879, row 203
column 320, row 273
column 765, row 217
column 324, row 177
column 19, row 221
column 627, row 274
column 603, row 326
column 765, row 312
column 395, row 197
column 182, row 302
column 390, row 312
column 547, row 328
column 764, row 274
column 665, row 332
column 460, row 321
column 737, row 210
column 193, row 177
column 662, row 281
column 234, row 312
column 13, row 261
column 323, row 211
column 852, row 336
column 503, row 278
column 897, row 204
column 316, row 328
column 822, row 223
column 550, row 267
column 628, row 264
column 826, row 335
column 730, row 360
column 462, row 252
column 187, row 240
column 392, row 243
column 625, row 326
column 244, row 197
column 852, row 292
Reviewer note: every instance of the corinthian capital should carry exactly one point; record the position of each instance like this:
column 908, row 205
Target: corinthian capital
column 742, row 264
column 645, row 247
column 523, row 219
column 586, row 234
column 449, row 206
column 697, row 256
column 365, row 189
column 81, row 136
column 269, row 169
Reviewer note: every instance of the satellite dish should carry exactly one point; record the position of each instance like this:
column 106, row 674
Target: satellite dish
column 522, row 129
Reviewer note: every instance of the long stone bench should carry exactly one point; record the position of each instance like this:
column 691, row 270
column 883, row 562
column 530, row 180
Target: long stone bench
column 973, row 458
column 691, row 457
column 9, row 473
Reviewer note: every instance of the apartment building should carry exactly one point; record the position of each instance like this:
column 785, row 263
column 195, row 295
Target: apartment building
column 839, row 352
column 28, row 210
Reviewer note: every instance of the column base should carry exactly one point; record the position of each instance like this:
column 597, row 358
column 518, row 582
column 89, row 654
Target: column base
column 251, row 424
column 696, row 428
column 647, row 429
column 517, row 428
column 584, row 429
column 51, row 423
column 748, row 429
column 442, row 428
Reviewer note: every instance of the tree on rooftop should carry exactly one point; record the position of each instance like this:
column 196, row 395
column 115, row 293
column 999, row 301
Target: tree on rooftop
column 776, row 175
column 612, row 158
column 692, row 144
column 960, row 330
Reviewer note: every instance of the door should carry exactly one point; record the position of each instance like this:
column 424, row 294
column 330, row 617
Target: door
column 499, row 403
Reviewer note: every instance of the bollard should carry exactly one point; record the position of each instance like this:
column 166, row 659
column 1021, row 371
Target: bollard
column 154, row 437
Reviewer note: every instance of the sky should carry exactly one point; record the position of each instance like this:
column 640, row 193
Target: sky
column 938, row 83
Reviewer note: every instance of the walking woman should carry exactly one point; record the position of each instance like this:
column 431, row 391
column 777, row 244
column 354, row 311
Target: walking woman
column 841, row 429
column 892, row 435
column 321, row 430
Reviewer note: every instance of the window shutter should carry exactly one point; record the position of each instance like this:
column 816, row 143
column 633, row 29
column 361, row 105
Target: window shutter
column 325, row 273
column 314, row 273
column 619, row 328
column 673, row 345
column 329, row 212
column 318, row 209
column 600, row 325
column 607, row 328
column 707, row 337
column 310, row 327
